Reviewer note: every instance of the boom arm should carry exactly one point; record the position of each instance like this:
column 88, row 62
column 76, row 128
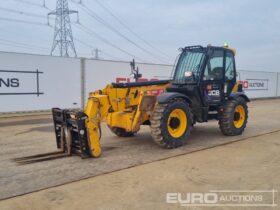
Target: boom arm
column 125, row 106
column 96, row 110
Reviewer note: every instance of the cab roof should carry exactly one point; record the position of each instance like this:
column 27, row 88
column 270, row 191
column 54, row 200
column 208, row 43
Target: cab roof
column 208, row 47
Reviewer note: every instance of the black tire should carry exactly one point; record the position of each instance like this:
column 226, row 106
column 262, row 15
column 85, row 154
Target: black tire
column 159, row 123
column 228, row 117
column 120, row 132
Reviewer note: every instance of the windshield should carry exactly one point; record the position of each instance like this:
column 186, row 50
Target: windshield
column 188, row 67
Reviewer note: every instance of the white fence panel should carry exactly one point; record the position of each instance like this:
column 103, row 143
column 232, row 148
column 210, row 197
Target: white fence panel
column 100, row 73
column 259, row 84
column 33, row 82
column 278, row 84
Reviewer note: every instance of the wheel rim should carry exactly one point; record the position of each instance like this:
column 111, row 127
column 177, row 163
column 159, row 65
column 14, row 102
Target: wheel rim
column 239, row 116
column 177, row 123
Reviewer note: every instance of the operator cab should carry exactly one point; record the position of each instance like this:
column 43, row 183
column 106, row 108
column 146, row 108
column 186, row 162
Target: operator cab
column 207, row 76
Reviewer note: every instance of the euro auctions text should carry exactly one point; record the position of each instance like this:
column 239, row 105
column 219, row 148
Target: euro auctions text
column 257, row 198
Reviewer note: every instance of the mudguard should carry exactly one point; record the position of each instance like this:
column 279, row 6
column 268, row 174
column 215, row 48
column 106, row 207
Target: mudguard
column 166, row 97
column 239, row 94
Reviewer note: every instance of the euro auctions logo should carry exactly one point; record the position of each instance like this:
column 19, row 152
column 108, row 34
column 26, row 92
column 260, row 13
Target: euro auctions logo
column 191, row 199
column 229, row 198
column 255, row 84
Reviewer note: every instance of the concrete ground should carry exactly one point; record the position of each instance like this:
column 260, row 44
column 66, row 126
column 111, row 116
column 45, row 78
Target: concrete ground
column 247, row 162
column 246, row 165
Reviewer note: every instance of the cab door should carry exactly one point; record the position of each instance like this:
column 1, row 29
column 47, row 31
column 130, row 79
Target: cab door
column 212, row 82
column 230, row 73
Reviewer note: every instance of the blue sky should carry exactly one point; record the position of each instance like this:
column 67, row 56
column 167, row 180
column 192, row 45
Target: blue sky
column 252, row 27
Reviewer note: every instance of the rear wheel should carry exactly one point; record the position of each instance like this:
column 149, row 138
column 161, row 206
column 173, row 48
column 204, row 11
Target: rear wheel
column 234, row 118
column 121, row 132
column 171, row 123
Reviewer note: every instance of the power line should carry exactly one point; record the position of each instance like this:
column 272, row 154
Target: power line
column 92, row 47
column 23, row 44
column 43, row 5
column 23, row 21
column 19, row 46
column 84, row 43
column 92, row 33
column 83, row 28
column 28, row 2
column 110, row 55
column 23, row 47
column 102, row 21
column 22, row 13
column 118, row 19
column 95, row 35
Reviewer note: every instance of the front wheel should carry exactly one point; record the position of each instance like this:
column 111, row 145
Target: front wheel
column 171, row 123
column 234, row 117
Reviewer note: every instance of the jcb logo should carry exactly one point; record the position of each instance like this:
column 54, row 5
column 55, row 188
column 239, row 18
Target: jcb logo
column 214, row 93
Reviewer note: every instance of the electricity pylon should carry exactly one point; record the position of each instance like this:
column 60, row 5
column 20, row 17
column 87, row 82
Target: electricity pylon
column 63, row 37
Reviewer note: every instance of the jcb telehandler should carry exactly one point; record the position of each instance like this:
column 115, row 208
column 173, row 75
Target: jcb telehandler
column 203, row 88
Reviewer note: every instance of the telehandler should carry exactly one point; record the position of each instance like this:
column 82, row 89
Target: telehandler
column 203, row 87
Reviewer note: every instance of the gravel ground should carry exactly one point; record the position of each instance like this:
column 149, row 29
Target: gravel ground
column 244, row 165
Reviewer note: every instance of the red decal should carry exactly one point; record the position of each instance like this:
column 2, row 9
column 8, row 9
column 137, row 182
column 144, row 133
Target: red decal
column 245, row 84
column 143, row 80
column 155, row 92
column 122, row 80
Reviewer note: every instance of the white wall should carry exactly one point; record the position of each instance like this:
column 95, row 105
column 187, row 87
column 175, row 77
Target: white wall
column 278, row 84
column 59, row 82
column 259, row 84
column 256, row 84
column 61, row 85
column 100, row 73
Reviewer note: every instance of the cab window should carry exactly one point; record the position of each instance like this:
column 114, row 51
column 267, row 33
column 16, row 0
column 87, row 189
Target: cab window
column 215, row 68
column 229, row 70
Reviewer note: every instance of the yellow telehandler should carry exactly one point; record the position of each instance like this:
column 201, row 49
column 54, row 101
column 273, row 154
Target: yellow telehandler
column 203, row 87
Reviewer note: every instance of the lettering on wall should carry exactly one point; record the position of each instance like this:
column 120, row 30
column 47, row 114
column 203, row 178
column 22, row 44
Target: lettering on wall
column 255, row 84
column 151, row 92
column 20, row 82
column 128, row 80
